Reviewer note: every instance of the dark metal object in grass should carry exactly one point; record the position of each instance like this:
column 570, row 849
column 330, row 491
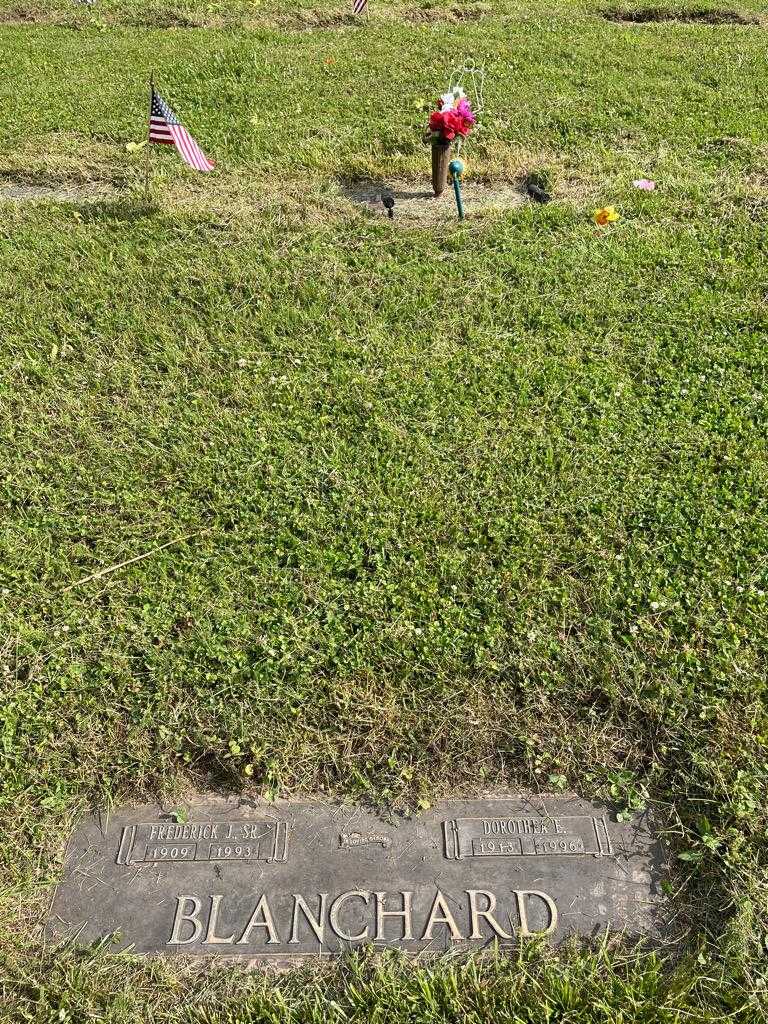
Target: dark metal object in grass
column 538, row 184
column 537, row 194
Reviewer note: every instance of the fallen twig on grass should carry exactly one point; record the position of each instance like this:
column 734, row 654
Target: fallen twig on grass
column 130, row 561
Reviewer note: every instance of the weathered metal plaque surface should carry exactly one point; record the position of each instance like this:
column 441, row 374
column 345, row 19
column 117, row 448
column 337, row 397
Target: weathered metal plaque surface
column 281, row 881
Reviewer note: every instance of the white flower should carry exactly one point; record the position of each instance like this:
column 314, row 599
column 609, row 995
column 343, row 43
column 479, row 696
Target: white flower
column 451, row 99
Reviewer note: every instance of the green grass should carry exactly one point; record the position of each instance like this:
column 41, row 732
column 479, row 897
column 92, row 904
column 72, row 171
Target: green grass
column 600, row 987
column 468, row 506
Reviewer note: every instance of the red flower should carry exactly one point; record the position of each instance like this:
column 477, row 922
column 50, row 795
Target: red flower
column 450, row 123
column 454, row 124
column 436, row 121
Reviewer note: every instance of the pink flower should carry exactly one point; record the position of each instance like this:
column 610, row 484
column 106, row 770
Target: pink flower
column 645, row 184
column 465, row 110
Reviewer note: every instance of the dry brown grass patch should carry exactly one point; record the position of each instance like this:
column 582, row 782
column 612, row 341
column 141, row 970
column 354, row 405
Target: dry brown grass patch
column 311, row 21
column 80, row 17
column 64, row 193
column 33, row 14
column 62, row 159
column 693, row 16
column 173, row 18
column 415, row 204
column 451, row 15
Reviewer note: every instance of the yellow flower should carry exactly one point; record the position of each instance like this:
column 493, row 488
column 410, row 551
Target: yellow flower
column 605, row 215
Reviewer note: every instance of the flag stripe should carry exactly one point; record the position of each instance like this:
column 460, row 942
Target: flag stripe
column 183, row 140
column 190, row 150
column 165, row 128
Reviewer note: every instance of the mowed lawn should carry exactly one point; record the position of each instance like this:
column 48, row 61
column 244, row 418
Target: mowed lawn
column 424, row 510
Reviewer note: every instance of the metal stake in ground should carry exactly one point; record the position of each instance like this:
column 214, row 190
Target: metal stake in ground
column 148, row 145
column 456, row 169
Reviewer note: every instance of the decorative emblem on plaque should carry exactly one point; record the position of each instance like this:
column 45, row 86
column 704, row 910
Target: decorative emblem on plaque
column 169, row 842
column 520, row 836
column 351, row 840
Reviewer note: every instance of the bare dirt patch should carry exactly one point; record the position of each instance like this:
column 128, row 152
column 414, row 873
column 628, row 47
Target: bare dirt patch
column 415, row 205
column 693, row 16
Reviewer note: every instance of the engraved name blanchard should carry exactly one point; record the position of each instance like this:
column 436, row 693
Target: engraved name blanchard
column 359, row 915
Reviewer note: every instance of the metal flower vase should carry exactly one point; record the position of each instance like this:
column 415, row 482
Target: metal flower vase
column 441, row 157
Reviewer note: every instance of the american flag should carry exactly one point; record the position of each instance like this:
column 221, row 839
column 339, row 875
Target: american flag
column 165, row 127
column 358, row 6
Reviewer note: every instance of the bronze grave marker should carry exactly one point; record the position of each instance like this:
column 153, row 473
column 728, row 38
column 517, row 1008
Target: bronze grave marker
column 282, row 881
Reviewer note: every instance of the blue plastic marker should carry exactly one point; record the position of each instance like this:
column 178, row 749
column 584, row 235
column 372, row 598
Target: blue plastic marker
column 456, row 169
